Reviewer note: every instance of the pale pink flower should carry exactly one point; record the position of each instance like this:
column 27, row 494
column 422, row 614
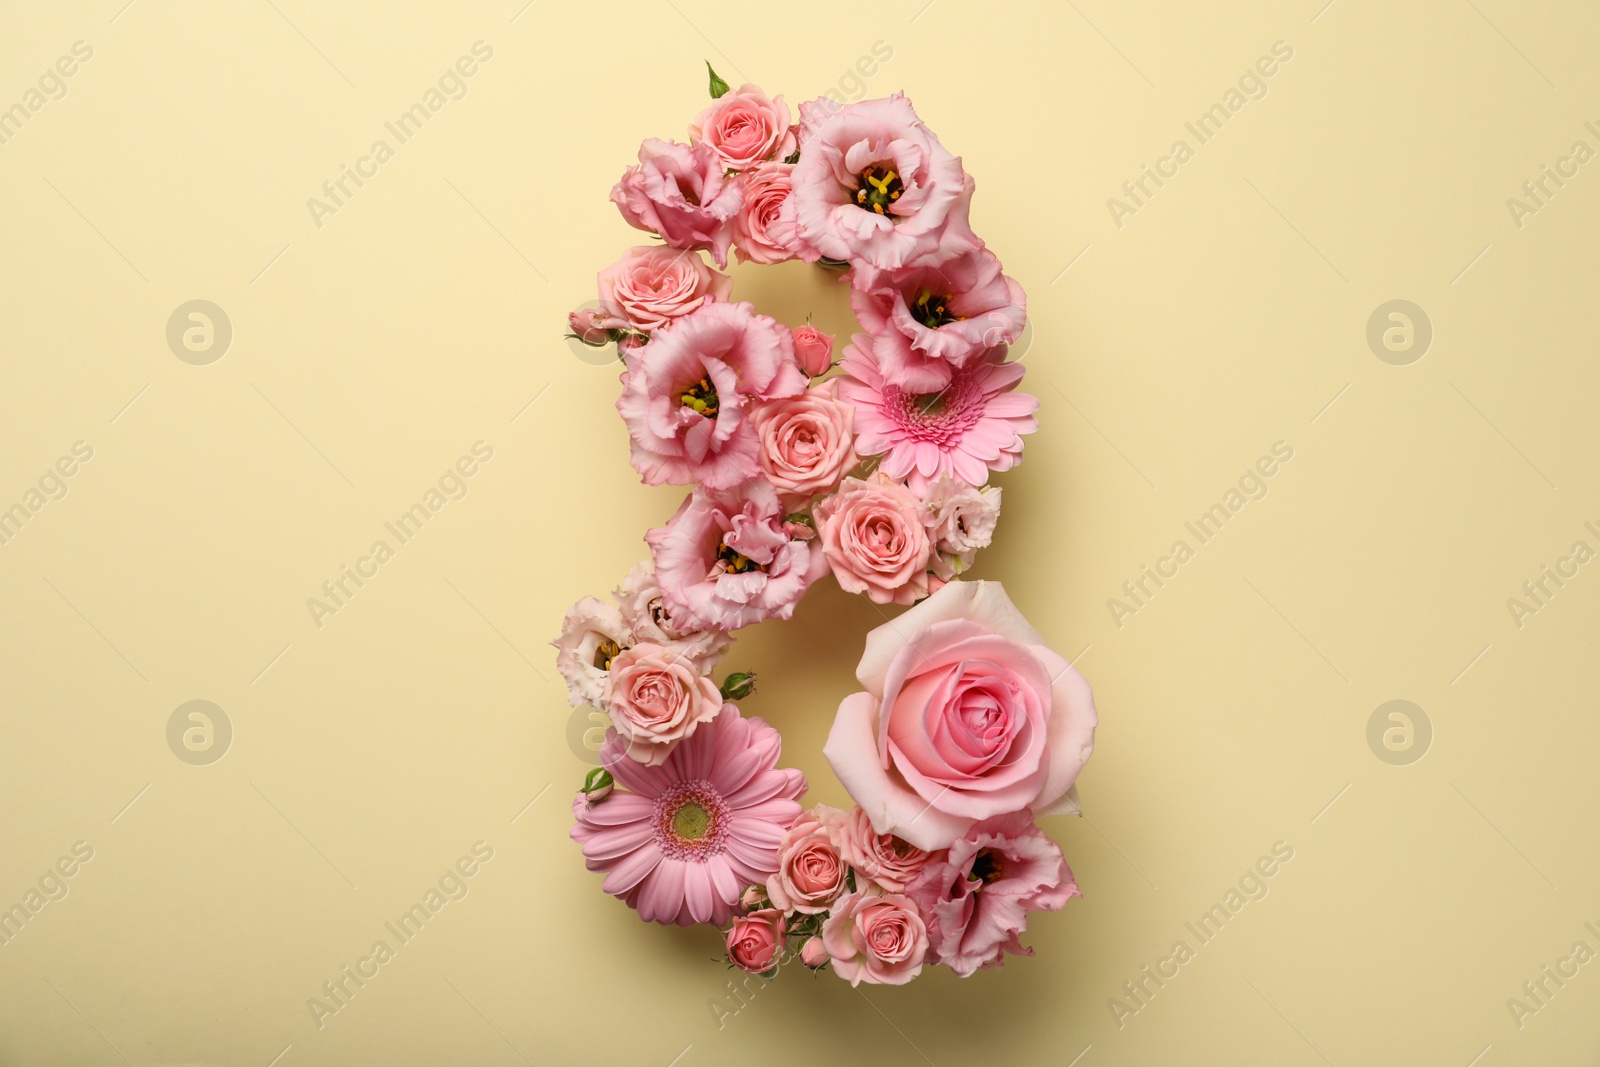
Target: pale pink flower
column 593, row 326
column 813, row 349
column 875, row 188
column 592, row 634
column 806, row 442
column 679, row 192
column 883, row 859
column 656, row 699
column 755, row 941
column 644, row 610
column 961, row 519
column 872, row 533
column 759, row 233
column 966, row 714
column 745, row 128
column 726, row 561
column 876, row 937
column 679, row 842
column 650, row 286
column 969, row 427
column 810, row 874
column 976, row 898
column 953, row 310
column 813, row 953
column 685, row 395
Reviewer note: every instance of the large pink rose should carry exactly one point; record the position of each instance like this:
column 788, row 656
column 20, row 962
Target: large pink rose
column 872, row 533
column 760, row 234
column 806, row 442
column 650, row 286
column 811, row 874
column 966, row 715
column 875, row 937
column 976, row 899
column 874, row 187
column 745, row 128
column 954, row 310
column 726, row 560
column 680, row 193
column 685, row 395
column 884, row 859
column 655, row 699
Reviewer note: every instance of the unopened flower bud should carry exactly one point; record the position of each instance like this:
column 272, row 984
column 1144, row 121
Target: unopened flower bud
column 738, row 685
column 754, row 897
column 813, row 953
column 597, row 785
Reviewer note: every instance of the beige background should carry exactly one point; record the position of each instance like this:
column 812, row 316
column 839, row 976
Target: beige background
column 425, row 315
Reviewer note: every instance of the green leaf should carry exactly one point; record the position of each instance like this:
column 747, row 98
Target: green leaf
column 718, row 86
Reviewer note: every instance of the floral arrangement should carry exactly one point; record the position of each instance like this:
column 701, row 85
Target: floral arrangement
column 967, row 726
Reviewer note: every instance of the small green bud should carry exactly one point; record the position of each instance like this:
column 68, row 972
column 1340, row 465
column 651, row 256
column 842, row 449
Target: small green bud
column 718, row 86
column 738, row 685
column 597, row 785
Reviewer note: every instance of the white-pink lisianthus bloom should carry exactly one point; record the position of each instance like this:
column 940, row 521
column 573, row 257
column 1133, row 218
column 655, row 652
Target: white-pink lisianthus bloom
column 680, row 193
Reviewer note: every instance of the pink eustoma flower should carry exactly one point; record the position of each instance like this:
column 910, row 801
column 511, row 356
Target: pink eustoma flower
column 679, row 193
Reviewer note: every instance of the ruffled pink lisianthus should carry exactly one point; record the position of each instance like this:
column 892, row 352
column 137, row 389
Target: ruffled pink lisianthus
column 954, row 310
column 726, row 559
column 977, row 897
column 679, row 842
column 967, row 428
column 875, row 188
column 592, row 634
column 685, row 395
column 680, row 193
column 644, row 610
column 650, row 286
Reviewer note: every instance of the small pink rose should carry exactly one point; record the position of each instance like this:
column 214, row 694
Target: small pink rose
column 656, row 698
column 755, row 941
column 753, row 897
column 813, row 349
column 813, row 953
column 884, row 859
column 874, row 538
column 810, row 874
column 761, row 234
column 806, row 442
column 650, row 286
column 745, row 128
column 876, row 937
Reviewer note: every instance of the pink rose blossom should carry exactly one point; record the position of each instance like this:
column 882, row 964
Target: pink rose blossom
column 976, row 899
column 813, row 953
column 655, row 700
column 813, row 350
column 954, row 310
column 644, row 610
column 971, row 425
column 806, row 443
column 650, row 286
column 966, row 715
column 685, row 395
column 679, row 841
column 810, row 874
column 961, row 519
column 872, row 534
column 875, row 937
column 591, row 636
column 874, row 187
column 745, row 128
column 755, row 941
column 725, row 561
column 593, row 327
column 760, row 234
column 679, row 192
column 884, row 859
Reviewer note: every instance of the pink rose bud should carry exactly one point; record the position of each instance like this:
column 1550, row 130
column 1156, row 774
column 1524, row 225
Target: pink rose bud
column 586, row 327
column 813, row 350
column 753, row 897
column 813, row 953
column 799, row 531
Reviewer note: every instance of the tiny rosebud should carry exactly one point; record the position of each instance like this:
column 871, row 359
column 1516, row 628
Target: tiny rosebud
column 799, row 526
column 813, row 350
column 588, row 326
column 754, row 897
column 597, row 785
column 738, row 685
column 813, row 953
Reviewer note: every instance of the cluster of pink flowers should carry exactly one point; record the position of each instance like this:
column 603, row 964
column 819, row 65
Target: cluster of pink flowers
column 878, row 475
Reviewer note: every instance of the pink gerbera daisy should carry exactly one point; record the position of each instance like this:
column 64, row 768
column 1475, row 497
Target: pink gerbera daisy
column 970, row 427
column 680, row 842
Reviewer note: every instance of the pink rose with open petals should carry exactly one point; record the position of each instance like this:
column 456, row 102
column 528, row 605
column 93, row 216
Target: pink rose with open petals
column 685, row 396
column 755, row 941
column 966, row 715
column 680, row 193
column 759, row 233
column 650, row 286
column 875, row 188
column 655, row 699
column 811, row 874
column 875, row 937
column 726, row 560
column 872, row 533
column 884, row 859
column 976, row 899
column 745, row 128
column 806, row 441
column 954, row 310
